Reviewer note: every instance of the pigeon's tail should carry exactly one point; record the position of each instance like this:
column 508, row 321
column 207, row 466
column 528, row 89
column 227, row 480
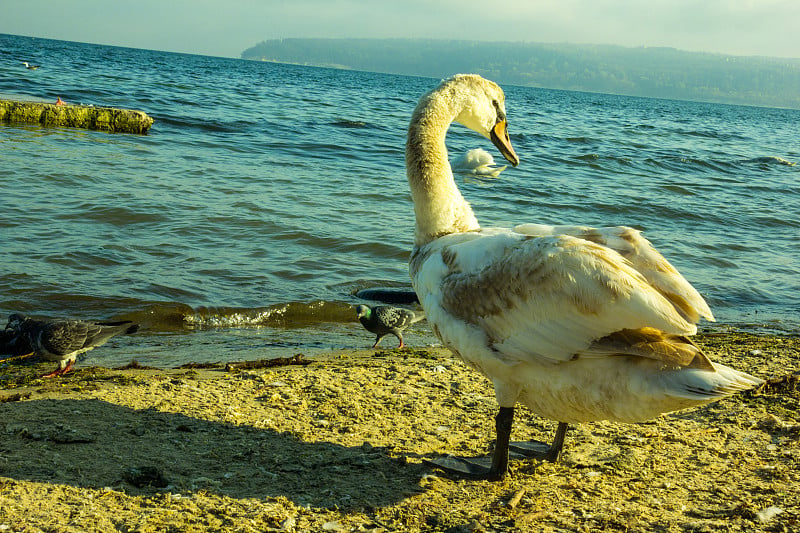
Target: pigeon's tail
column 133, row 328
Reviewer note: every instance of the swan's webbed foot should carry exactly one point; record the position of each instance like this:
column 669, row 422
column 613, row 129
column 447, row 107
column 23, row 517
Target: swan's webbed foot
column 541, row 451
column 480, row 467
column 494, row 468
column 471, row 467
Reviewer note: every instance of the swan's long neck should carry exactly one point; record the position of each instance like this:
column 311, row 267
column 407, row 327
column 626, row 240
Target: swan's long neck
column 439, row 207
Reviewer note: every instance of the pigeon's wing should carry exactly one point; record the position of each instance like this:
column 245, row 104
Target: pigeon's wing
column 98, row 333
column 394, row 317
column 65, row 336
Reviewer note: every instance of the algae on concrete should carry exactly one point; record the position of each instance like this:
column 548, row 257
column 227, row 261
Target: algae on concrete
column 107, row 119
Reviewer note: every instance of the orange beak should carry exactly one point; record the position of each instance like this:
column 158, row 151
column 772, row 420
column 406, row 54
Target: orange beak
column 499, row 137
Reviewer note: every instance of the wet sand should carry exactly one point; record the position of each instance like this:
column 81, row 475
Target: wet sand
column 338, row 445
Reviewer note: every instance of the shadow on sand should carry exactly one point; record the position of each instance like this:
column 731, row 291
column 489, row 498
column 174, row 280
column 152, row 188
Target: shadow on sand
column 95, row 444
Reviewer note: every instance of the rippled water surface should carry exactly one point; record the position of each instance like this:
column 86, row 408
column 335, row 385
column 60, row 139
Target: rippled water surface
column 266, row 195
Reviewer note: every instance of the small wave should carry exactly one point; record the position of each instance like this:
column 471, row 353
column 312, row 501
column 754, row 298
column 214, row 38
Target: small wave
column 286, row 315
column 727, row 136
column 771, row 221
column 121, row 216
column 205, row 125
column 770, row 160
column 349, row 124
column 678, row 190
column 680, row 163
column 174, row 317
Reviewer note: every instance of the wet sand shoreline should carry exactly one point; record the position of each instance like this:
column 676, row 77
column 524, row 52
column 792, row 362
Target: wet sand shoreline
column 338, row 445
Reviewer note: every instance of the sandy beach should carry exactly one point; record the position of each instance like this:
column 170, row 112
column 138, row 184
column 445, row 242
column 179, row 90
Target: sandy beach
column 338, row 445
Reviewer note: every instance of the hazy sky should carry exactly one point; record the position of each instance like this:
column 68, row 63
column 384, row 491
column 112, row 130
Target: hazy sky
column 227, row 27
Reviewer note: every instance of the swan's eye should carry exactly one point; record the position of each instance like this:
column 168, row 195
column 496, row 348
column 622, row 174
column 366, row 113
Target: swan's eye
column 500, row 113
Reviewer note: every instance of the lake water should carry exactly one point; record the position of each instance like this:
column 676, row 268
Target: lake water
column 266, row 195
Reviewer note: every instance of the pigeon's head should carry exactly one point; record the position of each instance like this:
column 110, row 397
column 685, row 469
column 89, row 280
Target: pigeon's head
column 15, row 321
column 363, row 311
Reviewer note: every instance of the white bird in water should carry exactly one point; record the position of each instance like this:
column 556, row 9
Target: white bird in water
column 29, row 66
column 477, row 161
column 577, row 323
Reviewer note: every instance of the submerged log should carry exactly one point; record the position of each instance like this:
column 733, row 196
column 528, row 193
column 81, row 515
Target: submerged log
column 108, row 119
column 297, row 359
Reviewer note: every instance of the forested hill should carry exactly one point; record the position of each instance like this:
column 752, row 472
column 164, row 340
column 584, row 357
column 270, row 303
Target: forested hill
column 654, row 72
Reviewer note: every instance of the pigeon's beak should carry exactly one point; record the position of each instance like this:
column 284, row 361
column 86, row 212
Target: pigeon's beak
column 499, row 137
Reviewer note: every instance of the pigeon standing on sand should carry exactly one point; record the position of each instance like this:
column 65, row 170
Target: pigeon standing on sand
column 64, row 340
column 383, row 320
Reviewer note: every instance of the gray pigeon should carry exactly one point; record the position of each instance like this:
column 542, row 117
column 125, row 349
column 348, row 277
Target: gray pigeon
column 383, row 320
column 64, row 340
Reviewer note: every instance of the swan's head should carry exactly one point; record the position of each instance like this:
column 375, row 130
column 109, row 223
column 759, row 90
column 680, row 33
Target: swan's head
column 483, row 109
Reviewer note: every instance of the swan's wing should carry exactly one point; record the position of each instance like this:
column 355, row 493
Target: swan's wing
column 630, row 244
column 676, row 350
column 480, row 157
column 543, row 298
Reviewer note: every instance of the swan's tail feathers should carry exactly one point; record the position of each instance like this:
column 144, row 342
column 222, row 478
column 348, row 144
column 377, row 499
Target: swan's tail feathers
column 697, row 384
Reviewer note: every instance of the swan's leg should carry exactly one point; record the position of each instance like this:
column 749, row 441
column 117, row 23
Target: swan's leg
column 502, row 425
column 492, row 468
column 495, row 468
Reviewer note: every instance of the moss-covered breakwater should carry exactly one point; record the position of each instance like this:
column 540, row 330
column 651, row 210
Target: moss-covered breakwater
column 108, row 119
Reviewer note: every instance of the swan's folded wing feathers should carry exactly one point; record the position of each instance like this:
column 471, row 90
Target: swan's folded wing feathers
column 676, row 350
column 550, row 298
column 630, row 244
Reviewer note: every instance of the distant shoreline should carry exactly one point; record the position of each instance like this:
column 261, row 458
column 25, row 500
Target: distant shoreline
column 651, row 72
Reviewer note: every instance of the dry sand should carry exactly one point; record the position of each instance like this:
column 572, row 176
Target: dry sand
column 338, row 444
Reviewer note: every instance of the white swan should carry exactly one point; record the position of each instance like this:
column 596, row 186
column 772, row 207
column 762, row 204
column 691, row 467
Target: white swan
column 477, row 161
column 578, row 324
